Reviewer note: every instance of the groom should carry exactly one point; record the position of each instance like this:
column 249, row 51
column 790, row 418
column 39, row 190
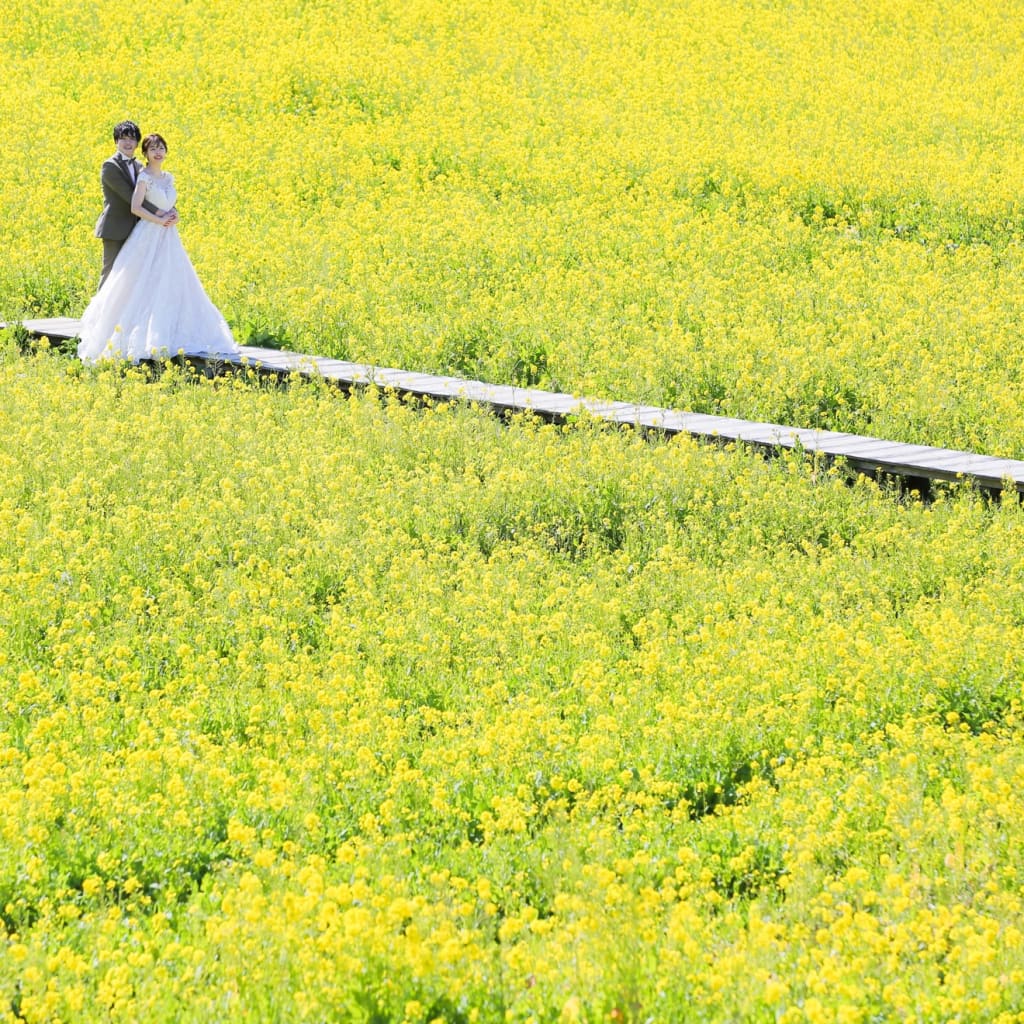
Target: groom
column 118, row 177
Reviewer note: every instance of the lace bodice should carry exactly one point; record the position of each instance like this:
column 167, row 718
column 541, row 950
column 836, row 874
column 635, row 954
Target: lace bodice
column 160, row 190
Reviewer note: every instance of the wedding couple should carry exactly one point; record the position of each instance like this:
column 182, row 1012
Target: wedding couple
column 150, row 303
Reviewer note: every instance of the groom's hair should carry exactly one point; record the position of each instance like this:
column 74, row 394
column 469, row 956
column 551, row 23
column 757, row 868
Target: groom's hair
column 127, row 130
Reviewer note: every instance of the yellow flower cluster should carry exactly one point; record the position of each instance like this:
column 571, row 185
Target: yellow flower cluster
column 785, row 212
column 316, row 708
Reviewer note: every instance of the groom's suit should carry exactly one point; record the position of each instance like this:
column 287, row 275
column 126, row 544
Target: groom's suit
column 118, row 177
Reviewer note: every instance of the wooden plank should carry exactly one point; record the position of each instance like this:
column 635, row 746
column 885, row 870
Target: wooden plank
column 60, row 328
column 673, row 422
column 642, row 415
column 944, row 459
column 767, row 434
column 863, row 446
column 728, row 429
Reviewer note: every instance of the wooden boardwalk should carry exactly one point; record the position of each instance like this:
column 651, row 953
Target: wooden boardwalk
column 916, row 463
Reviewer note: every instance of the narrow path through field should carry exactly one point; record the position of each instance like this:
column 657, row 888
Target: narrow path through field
column 916, row 464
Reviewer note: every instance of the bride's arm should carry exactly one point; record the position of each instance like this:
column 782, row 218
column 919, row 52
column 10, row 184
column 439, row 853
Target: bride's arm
column 138, row 197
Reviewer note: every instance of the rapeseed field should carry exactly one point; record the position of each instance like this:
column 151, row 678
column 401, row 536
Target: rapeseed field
column 781, row 211
column 335, row 709
column 317, row 708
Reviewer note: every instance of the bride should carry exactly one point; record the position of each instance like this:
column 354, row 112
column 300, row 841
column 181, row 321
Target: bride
column 152, row 304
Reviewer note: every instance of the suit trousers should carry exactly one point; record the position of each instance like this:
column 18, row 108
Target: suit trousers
column 111, row 247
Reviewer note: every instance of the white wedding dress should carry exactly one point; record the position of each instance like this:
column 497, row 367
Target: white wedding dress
column 152, row 304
